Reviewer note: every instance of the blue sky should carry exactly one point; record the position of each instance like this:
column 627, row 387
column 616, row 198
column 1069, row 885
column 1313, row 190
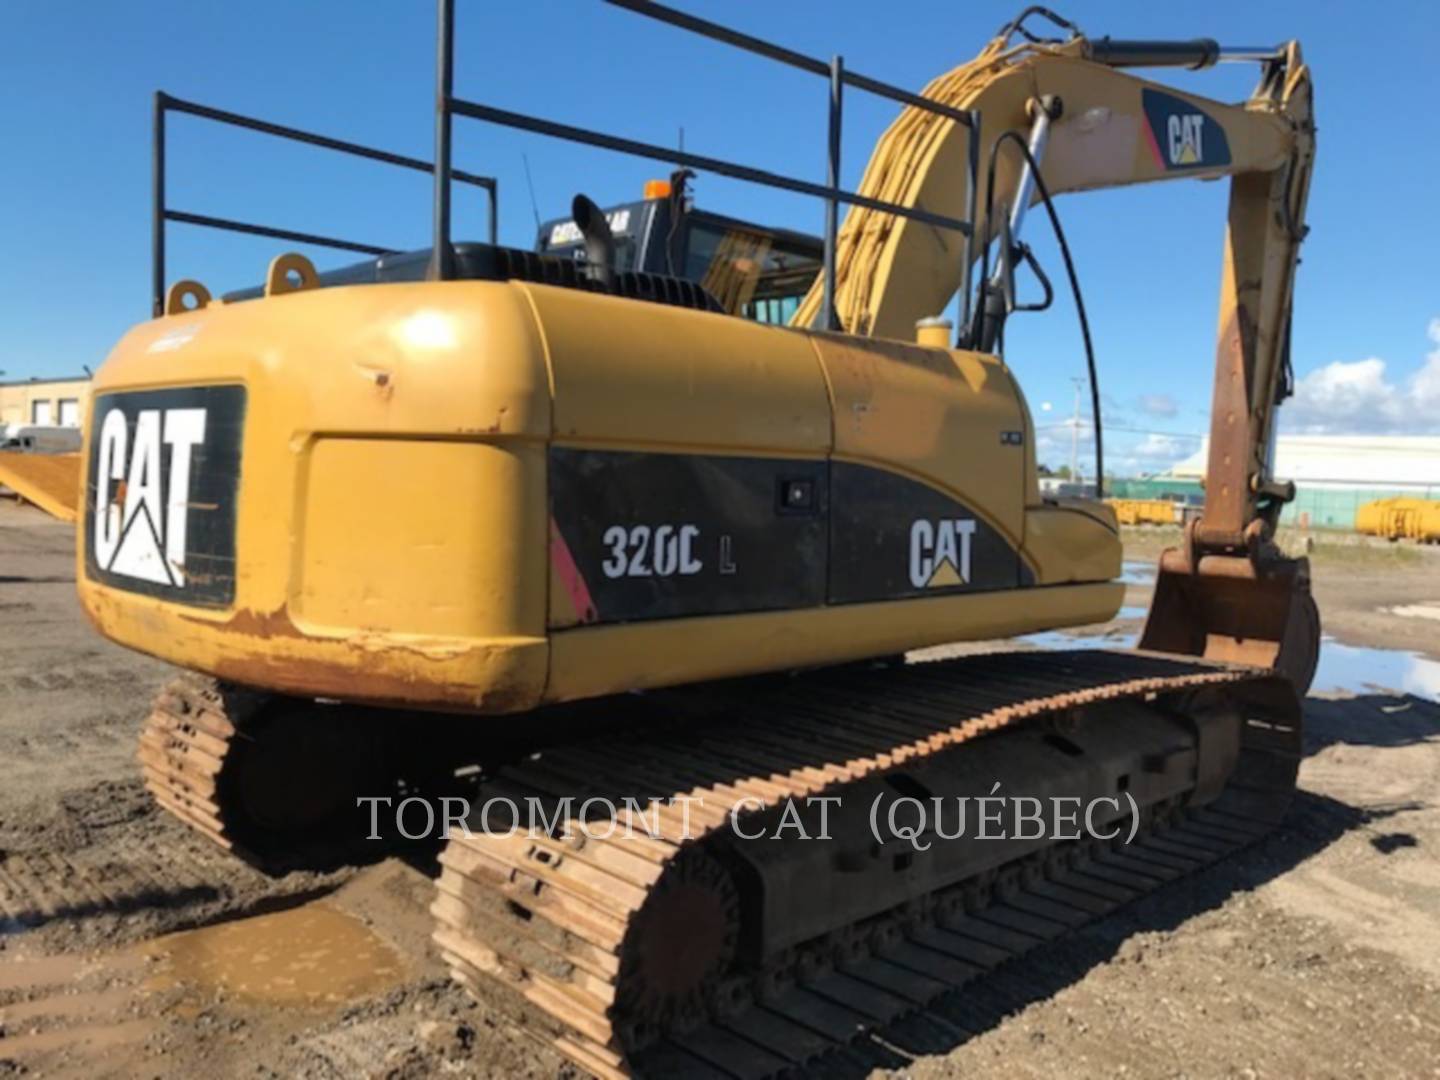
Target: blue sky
column 76, row 80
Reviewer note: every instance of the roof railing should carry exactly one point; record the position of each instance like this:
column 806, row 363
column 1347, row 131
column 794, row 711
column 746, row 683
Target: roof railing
column 448, row 106
column 161, row 213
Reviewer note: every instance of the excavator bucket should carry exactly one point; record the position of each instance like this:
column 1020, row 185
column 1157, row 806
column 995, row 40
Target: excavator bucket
column 1230, row 608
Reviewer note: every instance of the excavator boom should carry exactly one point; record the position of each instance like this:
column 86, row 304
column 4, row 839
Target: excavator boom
column 1089, row 123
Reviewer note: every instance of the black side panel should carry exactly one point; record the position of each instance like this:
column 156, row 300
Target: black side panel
column 891, row 537
column 160, row 503
column 664, row 535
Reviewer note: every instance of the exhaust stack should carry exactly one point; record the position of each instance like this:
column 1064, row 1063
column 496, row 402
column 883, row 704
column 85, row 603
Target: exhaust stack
column 599, row 242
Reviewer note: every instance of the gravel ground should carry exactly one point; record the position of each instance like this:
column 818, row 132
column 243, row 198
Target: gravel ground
column 130, row 947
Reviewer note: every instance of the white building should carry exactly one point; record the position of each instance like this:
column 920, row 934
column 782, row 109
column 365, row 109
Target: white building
column 1336, row 474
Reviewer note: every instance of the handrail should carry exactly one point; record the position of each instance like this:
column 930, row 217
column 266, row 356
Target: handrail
column 812, row 64
column 506, row 118
column 161, row 213
column 448, row 106
column 231, row 225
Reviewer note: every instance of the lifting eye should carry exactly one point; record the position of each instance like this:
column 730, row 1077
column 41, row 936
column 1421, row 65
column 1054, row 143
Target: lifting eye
column 288, row 273
column 187, row 295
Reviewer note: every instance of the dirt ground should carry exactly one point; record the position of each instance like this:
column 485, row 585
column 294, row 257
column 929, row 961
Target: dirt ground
column 129, row 947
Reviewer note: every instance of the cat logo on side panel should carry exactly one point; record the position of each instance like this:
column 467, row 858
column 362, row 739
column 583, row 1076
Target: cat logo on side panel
column 940, row 552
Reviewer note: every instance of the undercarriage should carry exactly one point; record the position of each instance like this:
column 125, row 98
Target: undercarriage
column 737, row 879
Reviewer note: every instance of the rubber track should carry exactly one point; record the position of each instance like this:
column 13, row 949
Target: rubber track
column 549, row 917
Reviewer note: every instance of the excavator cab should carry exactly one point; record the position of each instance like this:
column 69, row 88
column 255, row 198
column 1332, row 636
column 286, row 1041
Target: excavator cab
column 757, row 272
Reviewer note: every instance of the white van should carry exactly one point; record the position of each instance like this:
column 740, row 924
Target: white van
column 40, row 438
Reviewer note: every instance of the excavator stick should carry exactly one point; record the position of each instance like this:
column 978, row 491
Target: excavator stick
column 1236, row 609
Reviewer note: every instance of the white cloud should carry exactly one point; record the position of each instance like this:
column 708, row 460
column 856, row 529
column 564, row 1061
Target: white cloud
column 1162, row 405
column 1425, row 387
column 1355, row 395
column 1152, row 454
column 1162, row 448
column 1124, row 454
column 1359, row 397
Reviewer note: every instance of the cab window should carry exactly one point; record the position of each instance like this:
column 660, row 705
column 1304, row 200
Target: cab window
column 752, row 272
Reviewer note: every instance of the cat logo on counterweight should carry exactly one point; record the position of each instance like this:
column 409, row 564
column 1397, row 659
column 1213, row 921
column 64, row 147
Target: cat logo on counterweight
column 160, row 501
column 140, row 521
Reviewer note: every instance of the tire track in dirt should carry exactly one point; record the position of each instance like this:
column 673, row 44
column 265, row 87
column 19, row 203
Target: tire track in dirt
column 68, row 1016
column 41, row 888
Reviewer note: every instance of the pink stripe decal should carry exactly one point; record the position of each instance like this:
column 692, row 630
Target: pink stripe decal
column 1154, row 145
column 563, row 563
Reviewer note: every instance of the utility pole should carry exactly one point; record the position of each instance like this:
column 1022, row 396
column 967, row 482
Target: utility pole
column 1075, row 432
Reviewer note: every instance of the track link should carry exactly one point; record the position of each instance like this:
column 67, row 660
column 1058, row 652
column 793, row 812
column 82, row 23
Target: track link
column 184, row 746
column 566, row 919
column 273, row 780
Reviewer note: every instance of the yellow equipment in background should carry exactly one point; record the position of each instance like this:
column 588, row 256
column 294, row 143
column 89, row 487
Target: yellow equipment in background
column 49, row 481
column 1145, row 511
column 619, row 547
column 1400, row 518
column 1428, row 527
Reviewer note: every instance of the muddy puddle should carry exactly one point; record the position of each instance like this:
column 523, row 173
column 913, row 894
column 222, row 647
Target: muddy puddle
column 71, row 1015
column 314, row 954
column 1352, row 669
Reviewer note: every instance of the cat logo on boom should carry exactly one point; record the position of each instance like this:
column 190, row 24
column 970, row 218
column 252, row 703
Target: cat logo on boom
column 1186, row 139
column 1181, row 135
column 940, row 552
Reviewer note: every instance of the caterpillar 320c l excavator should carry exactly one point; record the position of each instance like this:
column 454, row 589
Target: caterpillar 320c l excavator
column 637, row 548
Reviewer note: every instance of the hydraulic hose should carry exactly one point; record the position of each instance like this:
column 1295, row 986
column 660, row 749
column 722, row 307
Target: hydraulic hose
column 1014, row 137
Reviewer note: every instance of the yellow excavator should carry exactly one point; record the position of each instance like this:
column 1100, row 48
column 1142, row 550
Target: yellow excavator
column 645, row 554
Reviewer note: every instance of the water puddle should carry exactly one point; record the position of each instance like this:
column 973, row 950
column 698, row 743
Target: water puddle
column 1132, row 611
column 1137, row 572
column 1059, row 639
column 1357, row 669
column 309, row 955
column 1343, row 668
